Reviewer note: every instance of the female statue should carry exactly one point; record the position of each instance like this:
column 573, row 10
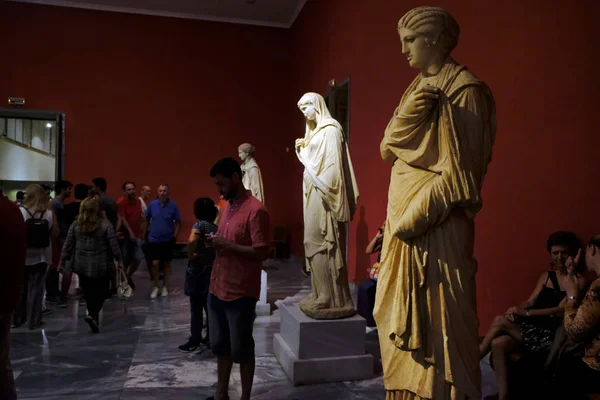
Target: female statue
column 439, row 141
column 251, row 178
column 330, row 195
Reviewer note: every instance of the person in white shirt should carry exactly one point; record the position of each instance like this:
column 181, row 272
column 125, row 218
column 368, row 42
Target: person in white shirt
column 146, row 191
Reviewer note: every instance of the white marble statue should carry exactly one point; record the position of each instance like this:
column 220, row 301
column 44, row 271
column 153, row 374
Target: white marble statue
column 252, row 178
column 330, row 196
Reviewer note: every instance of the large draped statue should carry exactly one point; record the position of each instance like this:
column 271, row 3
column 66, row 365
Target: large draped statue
column 251, row 177
column 439, row 141
column 330, row 196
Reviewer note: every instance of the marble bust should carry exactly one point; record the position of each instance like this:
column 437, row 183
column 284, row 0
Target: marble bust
column 439, row 144
column 330, row 196
column 251, row 178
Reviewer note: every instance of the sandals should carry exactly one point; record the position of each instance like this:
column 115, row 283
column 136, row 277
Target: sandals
column 93, row 324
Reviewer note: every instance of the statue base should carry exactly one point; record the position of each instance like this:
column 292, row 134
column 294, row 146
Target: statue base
column 314, row 351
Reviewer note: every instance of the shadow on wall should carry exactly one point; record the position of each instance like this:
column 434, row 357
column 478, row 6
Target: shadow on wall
column 363, row 260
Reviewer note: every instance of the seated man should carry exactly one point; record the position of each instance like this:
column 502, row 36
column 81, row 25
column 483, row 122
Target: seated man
column 529, row 328
column 367, row 289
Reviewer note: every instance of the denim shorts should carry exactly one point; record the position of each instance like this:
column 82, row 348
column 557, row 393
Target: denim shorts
column 131, row 250
column 231, row 324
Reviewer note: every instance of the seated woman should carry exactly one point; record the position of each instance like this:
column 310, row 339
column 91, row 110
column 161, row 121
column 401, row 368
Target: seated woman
column 366, row 290
column 581, row 375
column 529, row 328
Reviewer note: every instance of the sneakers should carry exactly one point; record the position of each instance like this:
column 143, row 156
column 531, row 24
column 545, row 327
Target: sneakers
column 165, row 292
column 192, row 348
column 154, row 293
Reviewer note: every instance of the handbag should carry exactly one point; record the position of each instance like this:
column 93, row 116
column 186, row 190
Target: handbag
column 124, row 291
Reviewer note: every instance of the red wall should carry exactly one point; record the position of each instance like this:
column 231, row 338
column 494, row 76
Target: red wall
column 159, row 99
column 536, row 57
column 154, row 99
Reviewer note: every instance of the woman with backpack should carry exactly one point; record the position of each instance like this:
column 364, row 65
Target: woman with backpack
column 91, row 247
column 41, row 229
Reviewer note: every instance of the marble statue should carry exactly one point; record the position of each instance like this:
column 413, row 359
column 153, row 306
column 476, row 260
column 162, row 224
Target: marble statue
column 439, row 141
column 251, row 178
column 330, row 196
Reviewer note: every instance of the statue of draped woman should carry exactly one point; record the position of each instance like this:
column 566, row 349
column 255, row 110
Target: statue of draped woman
column 439, row 142
column 251, row 177
column 330, row 196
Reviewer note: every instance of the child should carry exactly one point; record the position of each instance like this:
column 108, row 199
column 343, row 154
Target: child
column 197, row 275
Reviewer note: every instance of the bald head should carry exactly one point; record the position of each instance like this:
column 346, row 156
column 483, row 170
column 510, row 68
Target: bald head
column 146, row 191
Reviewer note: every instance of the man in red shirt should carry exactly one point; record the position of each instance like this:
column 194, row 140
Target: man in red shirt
column 13, row 249
column 242, row 244
column 130, row 210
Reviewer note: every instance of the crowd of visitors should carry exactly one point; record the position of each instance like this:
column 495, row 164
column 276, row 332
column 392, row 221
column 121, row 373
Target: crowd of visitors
column 96, row 237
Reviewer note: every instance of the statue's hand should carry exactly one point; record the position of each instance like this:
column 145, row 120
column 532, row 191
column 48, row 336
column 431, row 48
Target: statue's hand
column 299, row 143
column 421, row 101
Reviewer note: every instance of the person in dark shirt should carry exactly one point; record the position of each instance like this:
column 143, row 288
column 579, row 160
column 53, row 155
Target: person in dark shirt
column 13, row 249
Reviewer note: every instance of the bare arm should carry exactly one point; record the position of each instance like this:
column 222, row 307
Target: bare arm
column 375, row 244
column 192, row 243
column 527, row 304
column 145, row 226
column 55, row 230
column 177, row 229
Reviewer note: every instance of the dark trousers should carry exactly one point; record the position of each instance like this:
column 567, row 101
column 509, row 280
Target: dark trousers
column 366, row 300
column 31, row 296
column 7, row 382
column 52, row 279
column 94, row 293
column 197, row 304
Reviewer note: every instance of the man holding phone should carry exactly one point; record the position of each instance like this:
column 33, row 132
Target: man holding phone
column 241, row 244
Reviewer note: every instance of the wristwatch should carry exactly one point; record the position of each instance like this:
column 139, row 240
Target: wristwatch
column 571, row 298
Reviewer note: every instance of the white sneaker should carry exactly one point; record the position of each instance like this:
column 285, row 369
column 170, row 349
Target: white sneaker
column 154, row 293
column 165, row 292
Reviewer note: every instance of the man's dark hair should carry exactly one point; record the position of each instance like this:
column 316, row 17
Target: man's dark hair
column 226, row 167
column 61, row 185
column 205, row 209
column 81, row 191
column 127, row 183
column 567, row 239
column 100, row 183
column 20, row 195
column 595, row 241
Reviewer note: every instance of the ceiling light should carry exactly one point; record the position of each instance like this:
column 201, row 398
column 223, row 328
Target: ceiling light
column 48, row 125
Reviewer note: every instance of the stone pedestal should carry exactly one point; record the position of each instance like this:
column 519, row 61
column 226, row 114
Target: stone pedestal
column 314, row 351
column 262, row 306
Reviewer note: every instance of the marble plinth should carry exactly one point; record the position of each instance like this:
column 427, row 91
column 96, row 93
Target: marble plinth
column 263, row 308
column 314, row 351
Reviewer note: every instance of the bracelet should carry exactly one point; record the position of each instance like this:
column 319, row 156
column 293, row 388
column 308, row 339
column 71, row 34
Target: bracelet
column 571, row 298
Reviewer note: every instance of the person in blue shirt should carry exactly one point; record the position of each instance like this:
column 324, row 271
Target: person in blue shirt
column 163, row 221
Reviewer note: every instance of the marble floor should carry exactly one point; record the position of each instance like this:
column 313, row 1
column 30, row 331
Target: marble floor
column 136, row 357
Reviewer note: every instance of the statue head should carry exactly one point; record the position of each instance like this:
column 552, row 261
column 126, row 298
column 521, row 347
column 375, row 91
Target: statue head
column 245, row 151
column 428, row 35
column 314, row 108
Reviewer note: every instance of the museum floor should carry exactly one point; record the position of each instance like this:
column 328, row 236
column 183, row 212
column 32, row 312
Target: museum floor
column 136, row 357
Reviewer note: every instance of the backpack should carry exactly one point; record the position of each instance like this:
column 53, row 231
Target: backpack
column 38, row 231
